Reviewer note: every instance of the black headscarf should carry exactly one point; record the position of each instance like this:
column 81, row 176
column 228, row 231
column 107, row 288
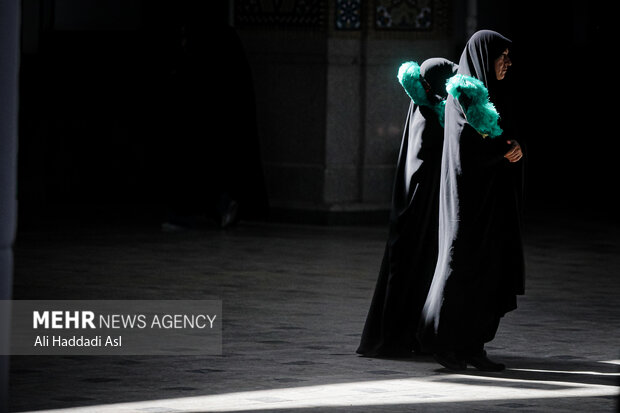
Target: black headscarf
column 436, row 71
column 478, row 57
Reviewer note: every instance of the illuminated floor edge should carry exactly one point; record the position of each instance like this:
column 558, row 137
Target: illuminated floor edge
column 422, row 390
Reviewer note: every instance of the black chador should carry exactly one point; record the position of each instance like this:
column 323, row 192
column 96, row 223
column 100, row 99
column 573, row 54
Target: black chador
column 480, row 267
column 411, row 248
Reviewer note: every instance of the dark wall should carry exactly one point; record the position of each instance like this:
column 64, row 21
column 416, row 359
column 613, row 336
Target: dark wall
column 97, row 90
column 78, row 98
column 9, row 66
column 90, row 130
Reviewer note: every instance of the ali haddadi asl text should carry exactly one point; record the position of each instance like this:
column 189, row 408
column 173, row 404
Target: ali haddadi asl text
column 78, row 341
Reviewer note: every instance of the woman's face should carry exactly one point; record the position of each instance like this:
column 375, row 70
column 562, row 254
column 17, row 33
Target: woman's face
column 501, row 65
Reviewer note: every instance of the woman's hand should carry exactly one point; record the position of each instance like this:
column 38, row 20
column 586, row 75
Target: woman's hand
column 515, row 153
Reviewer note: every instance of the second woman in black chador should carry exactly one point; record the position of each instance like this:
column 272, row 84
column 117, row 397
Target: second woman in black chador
column 411, row 250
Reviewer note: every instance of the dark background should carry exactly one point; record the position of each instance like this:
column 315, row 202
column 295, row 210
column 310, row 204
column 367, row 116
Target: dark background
column 100, row 82
column 559, row 78
column 93, row 96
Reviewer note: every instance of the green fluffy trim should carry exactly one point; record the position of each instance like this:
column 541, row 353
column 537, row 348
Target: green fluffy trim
column 409, row 77
column 417, row 88
column 474, row 98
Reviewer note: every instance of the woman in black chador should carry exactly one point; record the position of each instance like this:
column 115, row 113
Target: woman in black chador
column 411, row 249
column 480, row 266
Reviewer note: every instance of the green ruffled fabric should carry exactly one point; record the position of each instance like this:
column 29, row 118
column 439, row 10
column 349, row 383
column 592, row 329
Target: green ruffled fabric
column 473, row 96
column 411, row 80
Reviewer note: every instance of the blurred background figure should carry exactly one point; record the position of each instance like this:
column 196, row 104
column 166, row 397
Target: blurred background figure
column 200, row 106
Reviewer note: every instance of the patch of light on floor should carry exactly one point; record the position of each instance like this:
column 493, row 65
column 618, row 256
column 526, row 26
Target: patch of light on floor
column 591, row 373
column 413, row 391
column 611, row 362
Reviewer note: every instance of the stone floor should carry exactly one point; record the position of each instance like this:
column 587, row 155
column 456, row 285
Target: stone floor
column 294, row 302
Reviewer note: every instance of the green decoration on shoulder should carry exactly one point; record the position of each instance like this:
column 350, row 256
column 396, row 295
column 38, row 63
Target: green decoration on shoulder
column 418, row 89
column 474, row 98
column 410, row 78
